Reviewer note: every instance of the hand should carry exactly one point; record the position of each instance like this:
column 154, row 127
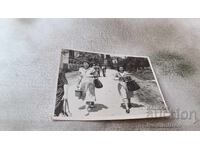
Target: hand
column 78, row 86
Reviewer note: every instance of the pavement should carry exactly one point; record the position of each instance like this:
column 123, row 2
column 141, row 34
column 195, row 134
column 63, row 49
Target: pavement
column 109, row 105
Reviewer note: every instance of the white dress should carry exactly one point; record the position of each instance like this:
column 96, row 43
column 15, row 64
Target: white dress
column 87, row 84
column 122, row 87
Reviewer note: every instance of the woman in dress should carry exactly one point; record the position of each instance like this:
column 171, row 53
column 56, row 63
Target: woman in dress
column 86, row 85
column 122, row 76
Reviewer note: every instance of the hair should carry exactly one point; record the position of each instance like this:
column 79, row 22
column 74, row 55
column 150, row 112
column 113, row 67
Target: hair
column 90, row 63
column 121, row 66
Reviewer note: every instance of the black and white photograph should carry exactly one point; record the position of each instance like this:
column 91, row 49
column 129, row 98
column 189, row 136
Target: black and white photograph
column 99, row 86
column 99, row 74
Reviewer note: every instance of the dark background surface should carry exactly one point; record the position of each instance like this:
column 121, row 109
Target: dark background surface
column 29, row 61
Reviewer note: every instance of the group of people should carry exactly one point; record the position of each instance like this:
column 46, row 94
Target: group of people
column 98, row 69
column 86, row 85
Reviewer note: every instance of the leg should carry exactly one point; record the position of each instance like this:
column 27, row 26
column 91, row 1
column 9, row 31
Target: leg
column 66, row 108
column 90, row 93
column 129, row 103
column 90, row 97
column 58, row 107
column 104, row 73
column 126, row 102
column 130, row 95
column 123, row 92
column 87, row 107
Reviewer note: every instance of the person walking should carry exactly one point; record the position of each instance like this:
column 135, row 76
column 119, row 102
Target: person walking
column 122, row 76
column 86, row 85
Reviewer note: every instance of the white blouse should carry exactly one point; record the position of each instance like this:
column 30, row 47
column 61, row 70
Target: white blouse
column 87, row 73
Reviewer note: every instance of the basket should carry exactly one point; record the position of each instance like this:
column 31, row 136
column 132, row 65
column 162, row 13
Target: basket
column 78, row 93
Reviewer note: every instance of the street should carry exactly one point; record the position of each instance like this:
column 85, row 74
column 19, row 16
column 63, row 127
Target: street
column 30, row 61
column 108, row 102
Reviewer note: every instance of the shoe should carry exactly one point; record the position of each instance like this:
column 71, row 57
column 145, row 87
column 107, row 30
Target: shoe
column 92, row 106
column 127, row 111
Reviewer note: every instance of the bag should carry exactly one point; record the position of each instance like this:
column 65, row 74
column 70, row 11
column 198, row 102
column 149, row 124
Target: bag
column 132, row 86
column 78, row 93
column 98, row 83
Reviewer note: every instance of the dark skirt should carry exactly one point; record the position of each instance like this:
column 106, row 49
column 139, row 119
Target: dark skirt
column 59, row 101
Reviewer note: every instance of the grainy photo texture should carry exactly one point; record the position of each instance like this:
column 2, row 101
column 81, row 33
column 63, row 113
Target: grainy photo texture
column 97, row 86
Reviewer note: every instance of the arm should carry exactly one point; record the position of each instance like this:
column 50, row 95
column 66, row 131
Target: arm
column 93, row 73
column 65, row 86
column 65, row 92
column 79, row 80
column 116, row 76
column 128, row 74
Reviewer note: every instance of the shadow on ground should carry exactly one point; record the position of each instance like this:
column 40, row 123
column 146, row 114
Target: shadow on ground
column 132, row 105
column 97, row 107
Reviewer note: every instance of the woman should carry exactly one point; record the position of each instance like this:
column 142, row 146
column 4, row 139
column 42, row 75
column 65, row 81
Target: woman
column 124, row 93
column 86, row 85
column 62, row 106
column 97, row 69
column 103, row 68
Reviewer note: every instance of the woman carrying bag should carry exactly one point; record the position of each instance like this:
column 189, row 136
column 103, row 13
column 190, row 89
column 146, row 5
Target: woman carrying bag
column 87, row 86
column 126, row 87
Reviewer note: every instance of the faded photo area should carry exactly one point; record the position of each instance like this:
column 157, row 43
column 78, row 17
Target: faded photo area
column 95, row 86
